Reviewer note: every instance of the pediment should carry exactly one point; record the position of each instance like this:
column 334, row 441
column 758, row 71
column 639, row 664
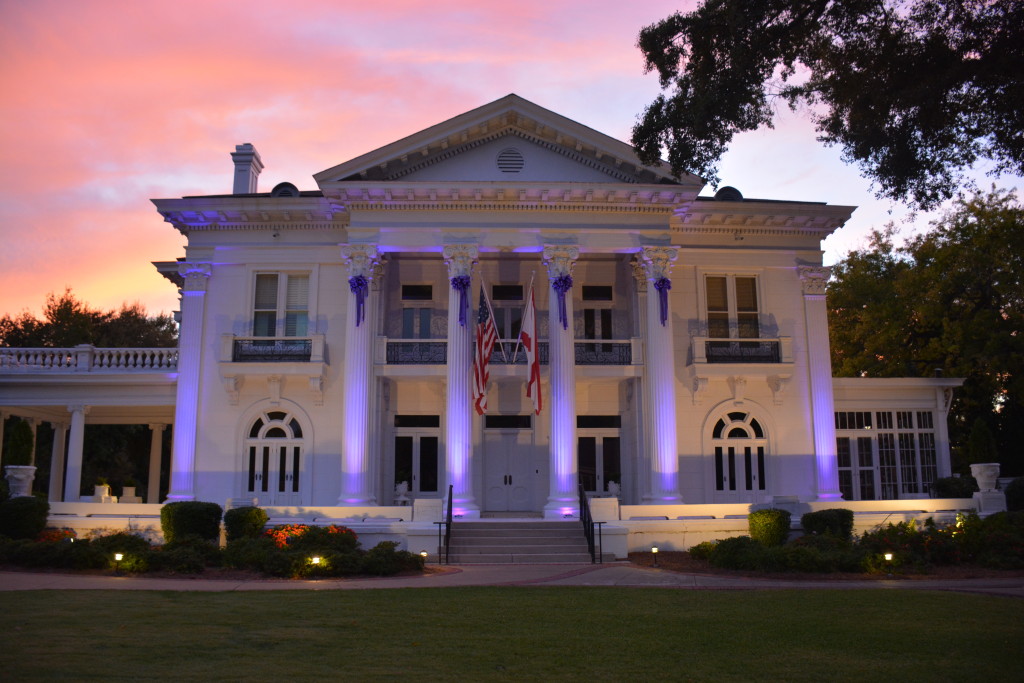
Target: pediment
column 509, row 140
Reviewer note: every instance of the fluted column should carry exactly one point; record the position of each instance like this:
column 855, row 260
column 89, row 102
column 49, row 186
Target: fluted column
column 643, row 474
column 76, row 442
column 186, row 409
column 660, row 360
column 458, row 421
column 563, row 496
column 60, row 432
column 155, row 456
column 819, row 368
column 356, row 473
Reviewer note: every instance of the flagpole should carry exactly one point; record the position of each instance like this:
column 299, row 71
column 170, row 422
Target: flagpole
column 519, row 337
column 490, row 309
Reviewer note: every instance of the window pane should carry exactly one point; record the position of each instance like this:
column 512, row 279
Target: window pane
column 611, row 461
column 298, row 293
column 748, row 326
column 266, row 292
column 717, row 297
column 596, row 293
column 428, row 463
column 403, row 459
column 507, row 293
column 296, row 324
column 718, row 325
column 417, row 293
column 264, row 325
column 843, row 452
column 424, row 323
column 746, row 294
column 587, row 453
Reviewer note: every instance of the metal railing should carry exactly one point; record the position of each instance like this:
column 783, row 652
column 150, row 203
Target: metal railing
column 444, row 531
column 738, row 350
column 588, row 528
column 418, row 352
column 87, row 358
column 271, row 350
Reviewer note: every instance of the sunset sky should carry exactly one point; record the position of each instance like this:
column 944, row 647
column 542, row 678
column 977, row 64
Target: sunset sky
column 107, row 104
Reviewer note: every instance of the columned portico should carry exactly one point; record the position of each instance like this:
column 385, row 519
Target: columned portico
column 562, row 497
column 819, row 367
column 664, row 450
column 76, row 443
column 186, row 411
column 356, row 475
column 458, row 423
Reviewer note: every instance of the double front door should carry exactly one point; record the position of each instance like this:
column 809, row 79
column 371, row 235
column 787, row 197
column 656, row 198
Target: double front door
column 417, row 463
column 599, row 460
column 510, row 477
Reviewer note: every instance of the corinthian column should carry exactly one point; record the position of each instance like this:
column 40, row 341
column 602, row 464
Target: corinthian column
column 819, row 368
column 458, row 425
column 661, row 370
column 186, row 408
column 563, row 496
column 356, row 479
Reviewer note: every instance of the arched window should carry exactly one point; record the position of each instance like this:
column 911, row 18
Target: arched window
column 273, row 452
column 740, row 446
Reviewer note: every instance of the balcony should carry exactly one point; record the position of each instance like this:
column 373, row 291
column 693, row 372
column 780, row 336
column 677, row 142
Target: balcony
column 435, row 352
column 714, row 350
column 738, row 361
column 275, row 359
column 87, row 358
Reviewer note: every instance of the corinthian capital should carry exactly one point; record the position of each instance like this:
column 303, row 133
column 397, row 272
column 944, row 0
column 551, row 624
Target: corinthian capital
column 362, row 259
column 196, row 275
column 460, row 259
column 657, row 261
column 560, row 260
column 814, row 279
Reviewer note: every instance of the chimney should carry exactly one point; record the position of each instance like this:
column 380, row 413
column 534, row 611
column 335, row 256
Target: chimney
column 247, row 168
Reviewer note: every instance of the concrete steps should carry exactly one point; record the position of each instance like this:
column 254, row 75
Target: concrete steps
column 518, row 542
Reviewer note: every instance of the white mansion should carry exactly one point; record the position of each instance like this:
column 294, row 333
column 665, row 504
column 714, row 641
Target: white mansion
column 328, row 336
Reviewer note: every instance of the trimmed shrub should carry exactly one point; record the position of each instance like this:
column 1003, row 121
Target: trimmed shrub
column 209, row 553
column 191, row 518
column 384, row 559
column 1015, row 495
column 182, row 559
column 244, row 522
column 769, row 527
column 121, row 542
column 23, row 517
column 702, row 551
column 738, row 552
column 954, row 487
column 837, row 522
column 20, row 444
column 322, row 539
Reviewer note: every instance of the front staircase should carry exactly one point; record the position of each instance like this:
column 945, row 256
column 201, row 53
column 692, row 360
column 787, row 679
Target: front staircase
column 518, row 542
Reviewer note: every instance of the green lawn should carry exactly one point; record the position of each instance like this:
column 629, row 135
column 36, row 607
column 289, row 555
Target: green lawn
column 537, row 633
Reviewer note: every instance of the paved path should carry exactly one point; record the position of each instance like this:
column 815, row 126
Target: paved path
column 621, row 574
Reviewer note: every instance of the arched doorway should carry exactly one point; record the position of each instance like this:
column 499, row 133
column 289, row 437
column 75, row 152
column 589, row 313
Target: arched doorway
column 739, row 447
column 274, row 459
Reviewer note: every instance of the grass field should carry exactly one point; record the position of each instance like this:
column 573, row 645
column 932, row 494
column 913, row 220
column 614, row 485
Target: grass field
column 538, row 633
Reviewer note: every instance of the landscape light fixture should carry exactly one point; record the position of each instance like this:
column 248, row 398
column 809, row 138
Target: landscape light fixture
column 424, row 554
column 315, row 559
column 117, row 560
column 654, row 552
column 888, row 557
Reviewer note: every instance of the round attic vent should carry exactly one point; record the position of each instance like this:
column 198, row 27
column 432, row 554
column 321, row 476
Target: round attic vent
column 510, row 160
column 728, row 194
column 284, row 190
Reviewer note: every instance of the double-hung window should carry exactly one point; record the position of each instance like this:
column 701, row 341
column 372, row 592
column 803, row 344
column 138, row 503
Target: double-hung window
column 732, row 307
column 281, row 306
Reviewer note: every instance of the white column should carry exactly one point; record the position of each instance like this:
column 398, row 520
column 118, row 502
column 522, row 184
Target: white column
column 458, row 414
column 155, row 456
column 76, row 441
column 3, row 419
column 563, row 496
column 356, row 475
column 660, row 361
column 819, row 368
column 33, row 423
column 643, row 477
column 60, row 431
column 186, row 409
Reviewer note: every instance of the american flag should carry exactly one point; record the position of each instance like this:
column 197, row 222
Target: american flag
column 528, row 337
column 486, row 336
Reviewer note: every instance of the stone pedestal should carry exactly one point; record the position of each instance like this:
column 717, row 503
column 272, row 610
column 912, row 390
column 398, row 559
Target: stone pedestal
column 990, row 502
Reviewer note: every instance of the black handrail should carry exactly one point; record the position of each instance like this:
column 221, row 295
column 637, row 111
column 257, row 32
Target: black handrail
column 588, row 525
column 448, row 525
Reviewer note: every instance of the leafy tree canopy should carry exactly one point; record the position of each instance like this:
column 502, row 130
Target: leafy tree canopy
column 952, row 299
column 68, row 322
column 915, row 92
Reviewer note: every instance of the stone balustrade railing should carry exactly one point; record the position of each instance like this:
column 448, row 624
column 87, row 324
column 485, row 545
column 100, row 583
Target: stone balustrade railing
column 87, row 358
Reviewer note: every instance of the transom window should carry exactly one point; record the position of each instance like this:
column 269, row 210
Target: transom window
column 281, row 305
column 740, row 454
column 507, row 302
column 732, row 307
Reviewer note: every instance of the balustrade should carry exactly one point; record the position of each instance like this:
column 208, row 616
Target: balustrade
column 87, row 358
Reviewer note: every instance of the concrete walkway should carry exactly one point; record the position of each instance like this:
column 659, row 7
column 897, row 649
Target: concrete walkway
column 618, row 574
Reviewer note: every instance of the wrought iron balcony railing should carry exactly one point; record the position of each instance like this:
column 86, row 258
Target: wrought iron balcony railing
column 719, row 350
column 273, row 349
column 435, row 352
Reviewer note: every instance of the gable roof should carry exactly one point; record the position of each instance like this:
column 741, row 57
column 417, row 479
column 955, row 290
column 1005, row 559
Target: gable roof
column 509, row 116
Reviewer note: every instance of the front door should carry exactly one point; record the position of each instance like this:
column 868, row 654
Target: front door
column 273, row 459
column 509, row 476
column 599, row 461
column 416, row 464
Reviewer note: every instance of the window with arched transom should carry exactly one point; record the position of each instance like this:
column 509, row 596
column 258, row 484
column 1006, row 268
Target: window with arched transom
column 273, row 449
column 740, row 447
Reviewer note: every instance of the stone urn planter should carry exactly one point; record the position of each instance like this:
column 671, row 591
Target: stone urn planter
column 101, row 494
column 19, row 479
column 986, row 474
column 128, row 495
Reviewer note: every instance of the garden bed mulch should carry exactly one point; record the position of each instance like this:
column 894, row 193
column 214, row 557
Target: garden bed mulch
column 682, row 562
